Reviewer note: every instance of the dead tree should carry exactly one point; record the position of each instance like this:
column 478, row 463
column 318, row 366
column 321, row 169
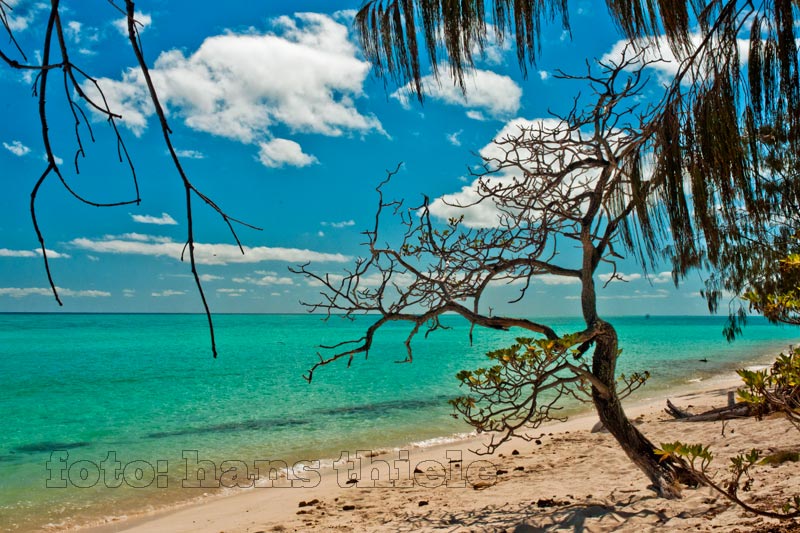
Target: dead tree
column 57, row 60
column 578, row 180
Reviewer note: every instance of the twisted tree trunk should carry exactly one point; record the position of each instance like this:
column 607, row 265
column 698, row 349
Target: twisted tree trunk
column 664, row 475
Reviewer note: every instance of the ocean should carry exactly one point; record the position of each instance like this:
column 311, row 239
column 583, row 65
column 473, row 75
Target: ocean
column 134, row 394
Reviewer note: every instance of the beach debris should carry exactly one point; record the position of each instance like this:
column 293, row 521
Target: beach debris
column 351, row 481
column 516, row 452
column 519, row 469
column 500, row 472
column 423, row 503
column 550, row 502
column 738, row 410
column 482, row 484
column 348, row 507
column 308, row 503
column 781, row 456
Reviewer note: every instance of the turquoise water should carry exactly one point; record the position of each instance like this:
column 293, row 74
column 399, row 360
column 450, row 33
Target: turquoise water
column 146, row 388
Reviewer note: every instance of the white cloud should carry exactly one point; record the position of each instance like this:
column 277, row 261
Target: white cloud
column 73, row 31
column 552, row 279
column 129, row 293
column 660, row 55
column 320, row 233
column 306, row 76
column 190, row 154
column 143, row 21
column 167, row 293
column 17, row 148
column 476, row 115
column 16, row 292
column 402, row 279
column 544, row 75
column 210, row 277
column 453, row 139
column 265, row 279
column 51, row 254
column 339, row 225
column 493, row 51
column 206, row 254
column 486, row 91
column 662, row 277
column 279, row 152
column 481, row 212
column 625, row 277
column 22, row 14
column 163, row 220
column 138, row 237
column 57, row 159
column 232, row 292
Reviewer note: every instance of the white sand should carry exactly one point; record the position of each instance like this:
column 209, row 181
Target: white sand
column 571, row 480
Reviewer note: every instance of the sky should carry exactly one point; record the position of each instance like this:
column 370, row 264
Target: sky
column 278, row 118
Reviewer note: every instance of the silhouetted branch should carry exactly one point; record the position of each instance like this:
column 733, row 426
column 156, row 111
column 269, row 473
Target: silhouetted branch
column 54, row 43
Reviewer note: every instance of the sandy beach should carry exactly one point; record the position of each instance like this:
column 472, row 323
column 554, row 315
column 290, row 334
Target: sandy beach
column 567, row 478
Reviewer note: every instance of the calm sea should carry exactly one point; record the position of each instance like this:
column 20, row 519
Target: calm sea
column 77, row 390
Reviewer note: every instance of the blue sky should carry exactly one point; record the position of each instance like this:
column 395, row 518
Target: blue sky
column 279, row 119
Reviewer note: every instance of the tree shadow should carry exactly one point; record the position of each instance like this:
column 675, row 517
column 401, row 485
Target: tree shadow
column 563, row 516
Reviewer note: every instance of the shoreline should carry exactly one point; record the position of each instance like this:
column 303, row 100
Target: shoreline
column 240, row 509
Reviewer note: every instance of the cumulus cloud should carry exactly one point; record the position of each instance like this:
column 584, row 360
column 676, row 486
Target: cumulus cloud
column 662, row 277
column 484, row 213
column 660, row 56
column 18, row 292
column 164, row 220
column 544, row 75
column 283, row 152
column 306, row 75
column 552, row 279
column 22, row 14
column 625, row 277
column 476, row 115
column 206, row 254
column 210, row 277
column 453, row 139
column 79, row 34
column 58, row 161
column 373, row 280
column 486, row 92
column 340, row 225
column 167, row 293
column 16, row 148
column 232, row 292
column 143, row 20
column 190, row 154
column 51, row 254
column 265, row 279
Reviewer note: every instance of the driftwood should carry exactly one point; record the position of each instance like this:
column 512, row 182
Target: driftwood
column 736, row 410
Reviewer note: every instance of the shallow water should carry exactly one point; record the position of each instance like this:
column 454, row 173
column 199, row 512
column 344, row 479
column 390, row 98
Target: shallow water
column 87, row 391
